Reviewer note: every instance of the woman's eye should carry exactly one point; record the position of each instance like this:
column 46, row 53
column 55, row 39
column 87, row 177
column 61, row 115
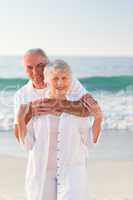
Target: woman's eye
column 64, row 78
column 55, row 79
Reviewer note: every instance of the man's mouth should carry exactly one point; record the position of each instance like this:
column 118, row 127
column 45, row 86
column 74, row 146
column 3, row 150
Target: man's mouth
column 39, row 78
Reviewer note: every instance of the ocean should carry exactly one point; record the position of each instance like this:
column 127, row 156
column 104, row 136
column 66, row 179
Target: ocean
column 108, row 79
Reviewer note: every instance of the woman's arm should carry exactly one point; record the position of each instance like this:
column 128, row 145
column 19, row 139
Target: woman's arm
column 96, row 127
column 22, row 121
column 24, row 130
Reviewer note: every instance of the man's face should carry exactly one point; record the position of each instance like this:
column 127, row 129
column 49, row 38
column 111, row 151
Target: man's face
column 34, row 66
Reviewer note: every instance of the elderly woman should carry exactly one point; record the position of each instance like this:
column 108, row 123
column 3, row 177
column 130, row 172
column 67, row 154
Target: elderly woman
column 57, row 165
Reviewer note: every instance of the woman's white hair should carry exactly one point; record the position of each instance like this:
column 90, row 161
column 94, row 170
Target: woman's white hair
column 57, row 64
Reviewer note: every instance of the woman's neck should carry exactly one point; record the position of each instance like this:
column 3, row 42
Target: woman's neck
column 57, row 96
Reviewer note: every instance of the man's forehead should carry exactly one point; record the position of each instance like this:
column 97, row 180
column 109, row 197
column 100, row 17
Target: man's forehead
column 34, row 59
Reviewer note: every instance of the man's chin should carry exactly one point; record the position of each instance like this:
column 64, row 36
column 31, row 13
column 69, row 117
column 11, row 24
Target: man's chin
column 38, row 81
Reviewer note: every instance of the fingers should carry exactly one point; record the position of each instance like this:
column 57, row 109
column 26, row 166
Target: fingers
column 56, row 112
column 43, row 107
column 90, row 103
column 88, row 100
column 42, row 104
column 42, row 101
column 41, row 111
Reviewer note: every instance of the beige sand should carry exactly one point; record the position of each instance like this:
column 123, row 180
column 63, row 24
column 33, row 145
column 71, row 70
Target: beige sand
column 109, row 180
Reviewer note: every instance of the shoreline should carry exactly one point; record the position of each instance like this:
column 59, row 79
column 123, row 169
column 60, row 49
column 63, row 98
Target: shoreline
column 112, row 145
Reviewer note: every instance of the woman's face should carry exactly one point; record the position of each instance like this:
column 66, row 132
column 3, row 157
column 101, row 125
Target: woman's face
column 59, row 81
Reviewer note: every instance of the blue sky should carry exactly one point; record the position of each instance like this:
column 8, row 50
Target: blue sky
column 67, row 27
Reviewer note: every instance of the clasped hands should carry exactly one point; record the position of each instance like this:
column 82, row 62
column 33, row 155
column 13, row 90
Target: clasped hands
column 45, row 106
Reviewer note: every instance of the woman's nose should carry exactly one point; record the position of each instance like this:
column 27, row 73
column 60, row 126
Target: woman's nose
column 60, row 83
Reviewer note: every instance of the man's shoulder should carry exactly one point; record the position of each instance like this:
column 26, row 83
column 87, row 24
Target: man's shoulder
column 77, row 85
column 76, row 90
column 23, row 90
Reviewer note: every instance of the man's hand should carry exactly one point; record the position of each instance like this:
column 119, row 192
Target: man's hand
column 44, row 106
column 92, row 105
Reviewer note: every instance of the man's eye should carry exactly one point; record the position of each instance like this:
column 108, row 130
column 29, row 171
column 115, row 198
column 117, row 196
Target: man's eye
column 29, row 67
column 41, row 66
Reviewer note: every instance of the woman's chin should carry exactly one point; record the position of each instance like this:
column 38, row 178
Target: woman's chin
column 60, row 92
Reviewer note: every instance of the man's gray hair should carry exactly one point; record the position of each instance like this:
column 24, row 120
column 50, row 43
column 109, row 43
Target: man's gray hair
column 36, row 51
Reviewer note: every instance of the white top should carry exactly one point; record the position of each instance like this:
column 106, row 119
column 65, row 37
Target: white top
column 52, row 156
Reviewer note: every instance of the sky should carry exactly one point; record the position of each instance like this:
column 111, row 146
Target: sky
column 67, row 27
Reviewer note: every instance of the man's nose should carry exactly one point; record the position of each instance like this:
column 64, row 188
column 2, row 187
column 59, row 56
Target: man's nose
column 35, row 71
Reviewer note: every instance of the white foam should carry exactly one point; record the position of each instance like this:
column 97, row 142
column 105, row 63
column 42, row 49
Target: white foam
column 117, row 110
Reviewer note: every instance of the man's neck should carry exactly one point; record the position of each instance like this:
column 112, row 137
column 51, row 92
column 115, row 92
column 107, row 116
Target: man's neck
column 39, row 86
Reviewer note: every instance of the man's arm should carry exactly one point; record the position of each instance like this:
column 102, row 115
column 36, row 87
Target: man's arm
column 73, row 107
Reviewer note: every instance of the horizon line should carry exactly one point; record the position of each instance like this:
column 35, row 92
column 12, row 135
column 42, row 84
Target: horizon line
column 75, row 55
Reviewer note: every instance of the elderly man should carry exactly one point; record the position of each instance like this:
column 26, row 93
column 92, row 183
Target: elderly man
column 33, row 92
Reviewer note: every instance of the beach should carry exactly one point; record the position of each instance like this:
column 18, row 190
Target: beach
column 109, row 180
column 109, row 171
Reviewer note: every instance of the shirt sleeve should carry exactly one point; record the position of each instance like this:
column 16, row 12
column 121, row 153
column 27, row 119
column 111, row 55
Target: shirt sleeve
column 18, row 100
column 76, row 91
column 29, row 139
